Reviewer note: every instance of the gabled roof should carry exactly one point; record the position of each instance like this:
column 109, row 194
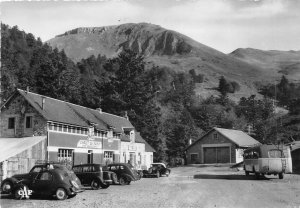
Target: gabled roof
column 65, row 112
column 238, row 137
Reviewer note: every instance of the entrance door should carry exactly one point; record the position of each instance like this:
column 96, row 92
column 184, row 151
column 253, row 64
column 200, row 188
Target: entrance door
column 216, row 155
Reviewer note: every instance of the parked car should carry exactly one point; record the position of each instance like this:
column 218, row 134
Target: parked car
column 157, row 170
column 8, row 184
column 125, row 173
column 94, row 175
column 55, row 180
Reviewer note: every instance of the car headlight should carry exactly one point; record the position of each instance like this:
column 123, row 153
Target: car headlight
column 74, row 184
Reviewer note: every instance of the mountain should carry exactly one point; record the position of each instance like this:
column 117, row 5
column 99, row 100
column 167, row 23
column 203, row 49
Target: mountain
column 165, row 48
column 278, row 62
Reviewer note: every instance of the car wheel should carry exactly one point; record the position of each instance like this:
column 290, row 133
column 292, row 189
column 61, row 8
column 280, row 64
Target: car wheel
column 19, row 192
column 280, row 175
column 104, row 185
column 95, row 184
column 122, row 181
column 128, row 182
column 61, row 194
column 6, row 187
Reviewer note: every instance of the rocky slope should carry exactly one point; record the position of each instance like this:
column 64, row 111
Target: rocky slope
column 165, row 48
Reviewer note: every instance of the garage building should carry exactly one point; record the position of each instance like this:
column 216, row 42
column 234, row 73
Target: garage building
column 219, row 146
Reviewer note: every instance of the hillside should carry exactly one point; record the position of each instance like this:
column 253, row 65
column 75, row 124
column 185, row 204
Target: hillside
column 278, row 62
column 165, row 48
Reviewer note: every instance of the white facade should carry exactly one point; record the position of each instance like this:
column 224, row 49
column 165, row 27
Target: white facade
column 135, row 154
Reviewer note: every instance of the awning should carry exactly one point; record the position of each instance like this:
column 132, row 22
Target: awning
column 13, row 146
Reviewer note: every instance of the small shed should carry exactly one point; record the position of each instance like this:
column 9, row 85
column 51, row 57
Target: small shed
column 219, row 146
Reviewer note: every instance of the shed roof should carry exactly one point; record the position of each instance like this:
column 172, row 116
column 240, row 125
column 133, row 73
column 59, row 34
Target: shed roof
column 14, row 146
column 238, row 137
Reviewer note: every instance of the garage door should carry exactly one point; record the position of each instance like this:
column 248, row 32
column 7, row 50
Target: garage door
column 216, row 154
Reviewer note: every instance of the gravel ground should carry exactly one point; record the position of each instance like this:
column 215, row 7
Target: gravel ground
column 185, row 187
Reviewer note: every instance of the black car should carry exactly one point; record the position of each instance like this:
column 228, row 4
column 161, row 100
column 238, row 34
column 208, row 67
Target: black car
column 157, row 170
column 58, row 181
column 94, row 175
column 8, row 184
column 125, row 173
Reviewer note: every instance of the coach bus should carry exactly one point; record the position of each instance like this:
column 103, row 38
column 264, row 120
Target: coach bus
column 264, row 160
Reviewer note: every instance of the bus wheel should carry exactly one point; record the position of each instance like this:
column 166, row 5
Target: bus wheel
column 280, row 175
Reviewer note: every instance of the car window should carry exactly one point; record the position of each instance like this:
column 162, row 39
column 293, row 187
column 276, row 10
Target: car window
column 85, row 169
column 113, row 167
column 36, row 169
column 45, row 176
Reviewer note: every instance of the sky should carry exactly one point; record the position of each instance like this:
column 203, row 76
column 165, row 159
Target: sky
column 221, row 24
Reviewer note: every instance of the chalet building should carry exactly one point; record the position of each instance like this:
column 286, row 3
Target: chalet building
column 56, row 130
column 219, row 146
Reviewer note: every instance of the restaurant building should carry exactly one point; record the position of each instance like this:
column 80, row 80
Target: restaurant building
column 63, row 132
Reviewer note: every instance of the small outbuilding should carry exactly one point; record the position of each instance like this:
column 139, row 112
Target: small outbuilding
column 219, row 146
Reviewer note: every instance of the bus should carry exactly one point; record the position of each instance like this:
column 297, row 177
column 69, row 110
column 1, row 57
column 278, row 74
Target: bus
column 264, row 160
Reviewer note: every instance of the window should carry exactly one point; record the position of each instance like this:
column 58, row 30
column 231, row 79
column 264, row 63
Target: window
column 65, row 128
column 275, row 153
column 108, row 157
column 36, row 170
column 194, row 157
column 90, row 156
column 215, row 136
column 46, row 176
column 28, row 122
column 65, row 155
column 11, row 123
column 50, row 126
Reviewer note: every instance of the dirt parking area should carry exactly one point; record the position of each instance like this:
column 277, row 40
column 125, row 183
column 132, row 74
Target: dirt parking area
column 185, row 187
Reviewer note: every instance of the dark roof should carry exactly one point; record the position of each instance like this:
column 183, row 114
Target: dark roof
column 65, row 112
column 238, row 137
column 148, row 147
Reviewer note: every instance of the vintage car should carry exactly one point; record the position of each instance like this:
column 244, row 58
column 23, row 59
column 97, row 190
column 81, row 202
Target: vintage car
column 125, row 173
column 53, row 181
column 157, row 170
column 94, row 175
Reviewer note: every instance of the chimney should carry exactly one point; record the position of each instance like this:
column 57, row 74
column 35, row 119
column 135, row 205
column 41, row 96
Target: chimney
column 99, row 110
column 126, row 115
column 43, row 102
